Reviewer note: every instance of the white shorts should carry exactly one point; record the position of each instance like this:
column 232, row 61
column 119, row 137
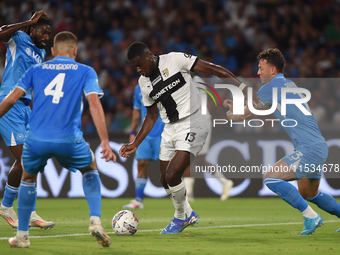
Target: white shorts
column 188, row 134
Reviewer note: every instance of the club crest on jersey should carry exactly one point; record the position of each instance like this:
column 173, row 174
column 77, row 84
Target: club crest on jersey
column 20, row 136
column 165, row 72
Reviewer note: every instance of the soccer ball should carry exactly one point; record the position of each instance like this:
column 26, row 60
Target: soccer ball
column 125, row 222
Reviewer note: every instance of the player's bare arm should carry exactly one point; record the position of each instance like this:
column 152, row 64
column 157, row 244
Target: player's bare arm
column 10, row 100
column 148, row 123
column 221, row 72
column 135, row 123
column 98, row 117
column 6, row 31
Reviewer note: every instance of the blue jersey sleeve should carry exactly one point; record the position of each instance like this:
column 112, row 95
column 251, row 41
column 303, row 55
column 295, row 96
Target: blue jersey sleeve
column 137, row 98
column 25, row 83
column 18, row 37
column 265, row 93
column 91, row 83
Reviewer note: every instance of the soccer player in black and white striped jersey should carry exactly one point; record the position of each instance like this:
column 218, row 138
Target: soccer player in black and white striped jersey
column 166, row 84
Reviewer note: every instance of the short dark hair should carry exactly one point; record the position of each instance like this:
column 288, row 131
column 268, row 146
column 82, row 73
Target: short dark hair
column 65, row 36
column 136, row 49
column 274, row 57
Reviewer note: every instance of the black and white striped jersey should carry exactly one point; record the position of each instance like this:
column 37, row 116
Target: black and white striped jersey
column 170, row 87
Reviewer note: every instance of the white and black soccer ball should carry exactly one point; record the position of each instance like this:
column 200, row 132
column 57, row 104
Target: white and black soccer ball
column 125, row 222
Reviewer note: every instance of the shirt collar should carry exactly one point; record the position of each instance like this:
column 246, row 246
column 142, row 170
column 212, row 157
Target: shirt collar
column 278, row 76
column 64, row 58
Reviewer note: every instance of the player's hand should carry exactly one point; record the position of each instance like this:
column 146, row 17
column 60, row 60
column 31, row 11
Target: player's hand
column 107, row 152
column 37, row 15
column 127, row 149
column 132, row 137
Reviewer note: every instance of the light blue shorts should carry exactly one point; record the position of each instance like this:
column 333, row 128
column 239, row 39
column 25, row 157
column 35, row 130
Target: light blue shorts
column 149, row 148
column 13, row 125
column 308, row 161
column 72, row 156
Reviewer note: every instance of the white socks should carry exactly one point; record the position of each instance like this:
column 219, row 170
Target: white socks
column 96, row 220
column 182, row 207
column 309, row 213
column 5, row 207
column 20, row 234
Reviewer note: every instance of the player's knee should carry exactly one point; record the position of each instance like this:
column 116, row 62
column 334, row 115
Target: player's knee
column 142, row 163
column 267, row 175
column 306, row 193
column 168, row 177
column 171, row 177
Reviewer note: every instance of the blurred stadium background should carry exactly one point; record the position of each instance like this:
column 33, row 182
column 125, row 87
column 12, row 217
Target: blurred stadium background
column 227, row 32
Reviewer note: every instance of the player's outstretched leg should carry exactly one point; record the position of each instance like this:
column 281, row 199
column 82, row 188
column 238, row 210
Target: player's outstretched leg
column 292, row 196
column 91, row 186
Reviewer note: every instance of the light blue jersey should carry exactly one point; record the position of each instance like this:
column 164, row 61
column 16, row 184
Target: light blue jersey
column 58, row 87
column 21, row 55
column 157, row 129
column 306, row 132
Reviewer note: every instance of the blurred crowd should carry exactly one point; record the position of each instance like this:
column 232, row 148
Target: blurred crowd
column 230, row 33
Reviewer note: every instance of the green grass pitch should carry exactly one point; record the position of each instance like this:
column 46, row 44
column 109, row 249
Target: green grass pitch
column 236, row 226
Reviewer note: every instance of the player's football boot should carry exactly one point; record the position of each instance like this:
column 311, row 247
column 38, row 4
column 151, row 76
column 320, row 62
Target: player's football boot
column 226, row 190
column 134, row 204
column 193, row 219
column 10, row 216
column 98, row 232
column 37, row 221
column 177, row 226
column 16, row 242
column 311, row 224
